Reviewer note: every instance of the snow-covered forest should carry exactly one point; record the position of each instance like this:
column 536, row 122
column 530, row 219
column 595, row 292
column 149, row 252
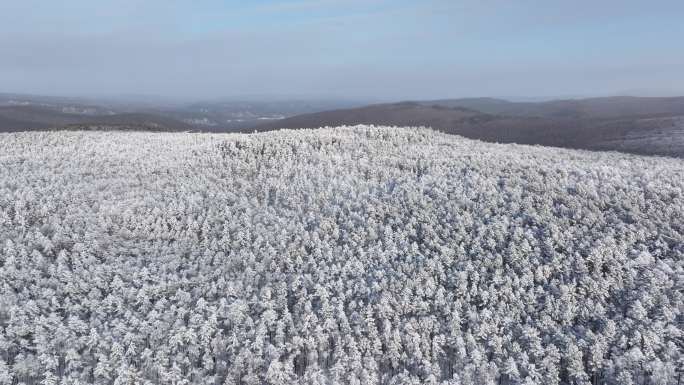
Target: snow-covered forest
column 352, row 255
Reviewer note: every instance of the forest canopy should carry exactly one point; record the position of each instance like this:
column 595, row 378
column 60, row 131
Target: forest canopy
column 349, row 255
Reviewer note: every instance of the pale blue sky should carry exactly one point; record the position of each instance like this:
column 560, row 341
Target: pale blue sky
column 372, row 49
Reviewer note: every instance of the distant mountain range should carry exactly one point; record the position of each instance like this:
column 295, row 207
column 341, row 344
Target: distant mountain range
column 651, row 126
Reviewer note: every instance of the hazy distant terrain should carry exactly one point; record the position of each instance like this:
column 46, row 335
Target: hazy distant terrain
column 243, row 115
column 22, row 118
column 350, row 255
column 27, row 112
column 589, row 108
column 640, row 125
column 650, row 126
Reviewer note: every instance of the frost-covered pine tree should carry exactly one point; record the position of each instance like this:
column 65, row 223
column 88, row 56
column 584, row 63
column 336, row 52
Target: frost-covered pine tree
column 368, row 255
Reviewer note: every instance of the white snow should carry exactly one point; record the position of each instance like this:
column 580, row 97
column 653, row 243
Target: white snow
column 340, row 255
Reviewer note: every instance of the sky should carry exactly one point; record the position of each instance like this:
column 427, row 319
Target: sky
column 353, row 49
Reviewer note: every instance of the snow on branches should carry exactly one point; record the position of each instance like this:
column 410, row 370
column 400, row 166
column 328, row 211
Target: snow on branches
column 351, row 255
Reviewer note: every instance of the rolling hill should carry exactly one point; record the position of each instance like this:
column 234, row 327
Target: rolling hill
column 590, row 108
column 350, row 255
column 32, row 117
column 22, row 112
column 404, row 113
column 649, row 126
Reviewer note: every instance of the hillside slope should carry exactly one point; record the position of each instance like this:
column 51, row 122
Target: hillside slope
column 592, row 124
column 363, row 255
column 589, row 108
column 395, row 114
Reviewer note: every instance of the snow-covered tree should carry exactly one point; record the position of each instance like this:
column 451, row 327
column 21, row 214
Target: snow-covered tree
column 340, row 255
